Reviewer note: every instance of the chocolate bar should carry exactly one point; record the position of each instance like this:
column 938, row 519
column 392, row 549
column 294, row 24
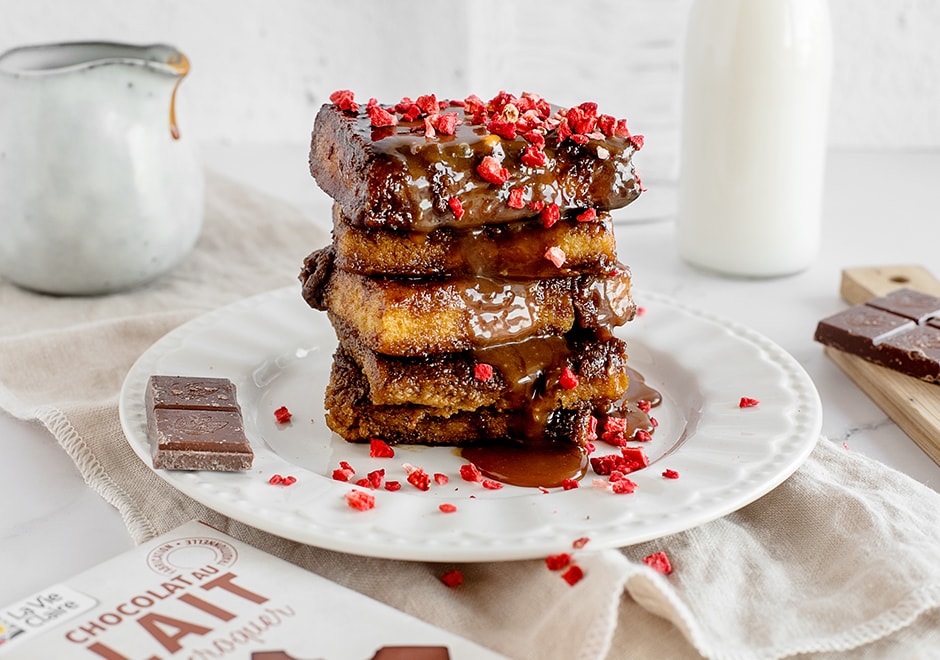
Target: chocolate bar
column 900, row 331
column 195, row 423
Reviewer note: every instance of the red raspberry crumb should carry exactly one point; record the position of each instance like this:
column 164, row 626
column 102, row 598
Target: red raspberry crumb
column 569, row 484
column 447, row 123
column 747, row 402
column 515, row 200
column 447, row 508
column 482, row 371
column 636, row 456
column 375, row 478
column 428, row 104
column 623, row 487
column 380, row 117
column 363, row 483
column 537, row 205
column 429, row 131
column 556, row 255
column 357, row 499
column 568, row 379
column 289, row 480
column 275, row 479
column 419, row 479
column 452, row 579
column 533, row 156
column 654, row 422
column 592, row 428
column 670, row 474
column 469, row 472
column 342, row 474
column 645, row 406
column 642, row 436
column 491, row 485
column 640, row 311
column 615, row 424
column 557, row 562
column 550, row 215
column 344, row 100
column 504, row 129
column 441, row 479
column 658, row 561
column 573, row 575
column 577, row 544
column 636, row 141
column 491, row 170
column 456, row 206
column 380, row 449
column 282, row 415
column 392, row 485
column 587, row 216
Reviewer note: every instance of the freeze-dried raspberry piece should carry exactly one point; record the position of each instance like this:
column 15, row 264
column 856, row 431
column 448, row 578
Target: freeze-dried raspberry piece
column 577, row 544
column 558, row 562
column 429, row 131
column 489, row 484
column 515, row 200
column 635, row 456
column 658, row 561
column 569, row 484
column 363, row 483
column 642, row 436
column 670, row 474
column 533, row 156
column 482, row 371
column 563, row 130
column 393, row 485
column 550, row 215
column 615, row 425
column 359, row 500
column 456, row 206
column 579, row 138
column 380, row 449
column 537, row 205
column 557, row 256
column 344, row 100
column 282, row 415
column 645, row 406
column 535, row 138
column 747, row 402
column 441, row 479
column 568, row 379
column 636, row 141
column 623, row 486
column 446, row 123
column 504, row 129
column 474, row 105
column 621, row 130
column 573, row 575
column 428, row 104
column 419, row 479
column 590, row 215
column 470, row 472
column 446, row 507
column 592, row 428
column 606, row 124
column 375, row 478
column 379, row 117
column 411, row 113
column 453, row 578
column 654, row 422
column 342, row 474
column 492, row 171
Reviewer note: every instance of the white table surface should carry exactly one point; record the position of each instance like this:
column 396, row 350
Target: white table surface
column 880, row 209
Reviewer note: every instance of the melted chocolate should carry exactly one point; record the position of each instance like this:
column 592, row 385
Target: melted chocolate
column 547, row 464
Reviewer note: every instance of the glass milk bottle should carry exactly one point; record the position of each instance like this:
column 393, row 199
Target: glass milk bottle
column 754, row 114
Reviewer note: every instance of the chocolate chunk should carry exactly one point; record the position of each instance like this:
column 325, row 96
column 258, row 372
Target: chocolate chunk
column 195, row 423
column 900, row 331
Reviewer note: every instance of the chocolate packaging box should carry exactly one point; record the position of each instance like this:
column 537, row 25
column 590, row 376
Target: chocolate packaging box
column 197, row 593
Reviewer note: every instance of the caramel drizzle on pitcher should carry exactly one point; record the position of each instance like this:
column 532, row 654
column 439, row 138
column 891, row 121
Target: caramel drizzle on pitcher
column 180, row 65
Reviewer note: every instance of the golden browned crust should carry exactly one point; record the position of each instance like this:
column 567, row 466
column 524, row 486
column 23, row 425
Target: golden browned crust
column 352, row 415
column 516, row 250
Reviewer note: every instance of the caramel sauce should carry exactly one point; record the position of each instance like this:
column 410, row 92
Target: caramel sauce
column 180, row 64
column 533, row 462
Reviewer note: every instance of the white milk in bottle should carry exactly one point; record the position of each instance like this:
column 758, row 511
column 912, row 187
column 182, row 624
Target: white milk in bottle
column 754, row 114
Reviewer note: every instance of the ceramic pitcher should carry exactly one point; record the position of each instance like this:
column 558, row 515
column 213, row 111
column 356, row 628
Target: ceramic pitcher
column 100, row 189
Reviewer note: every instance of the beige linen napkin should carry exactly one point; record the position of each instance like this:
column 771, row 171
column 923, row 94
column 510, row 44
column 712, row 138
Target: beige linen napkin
column 842, row 558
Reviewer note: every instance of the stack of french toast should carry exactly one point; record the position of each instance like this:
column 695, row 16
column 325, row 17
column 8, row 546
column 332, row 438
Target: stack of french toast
column 473, row 279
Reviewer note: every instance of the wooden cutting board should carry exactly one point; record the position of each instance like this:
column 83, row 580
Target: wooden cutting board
column 913, row 404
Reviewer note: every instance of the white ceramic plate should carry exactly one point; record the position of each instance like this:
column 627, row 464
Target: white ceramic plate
column 278, row 352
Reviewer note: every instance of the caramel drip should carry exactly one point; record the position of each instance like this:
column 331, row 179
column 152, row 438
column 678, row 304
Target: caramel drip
column 180, row 65
column 499, row 309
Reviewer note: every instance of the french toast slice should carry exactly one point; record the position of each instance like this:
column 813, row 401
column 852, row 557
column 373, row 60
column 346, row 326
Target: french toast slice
column 405, row 176
column 515, row 249
column 412, row 317
column 522, row 373
column 352, row 415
